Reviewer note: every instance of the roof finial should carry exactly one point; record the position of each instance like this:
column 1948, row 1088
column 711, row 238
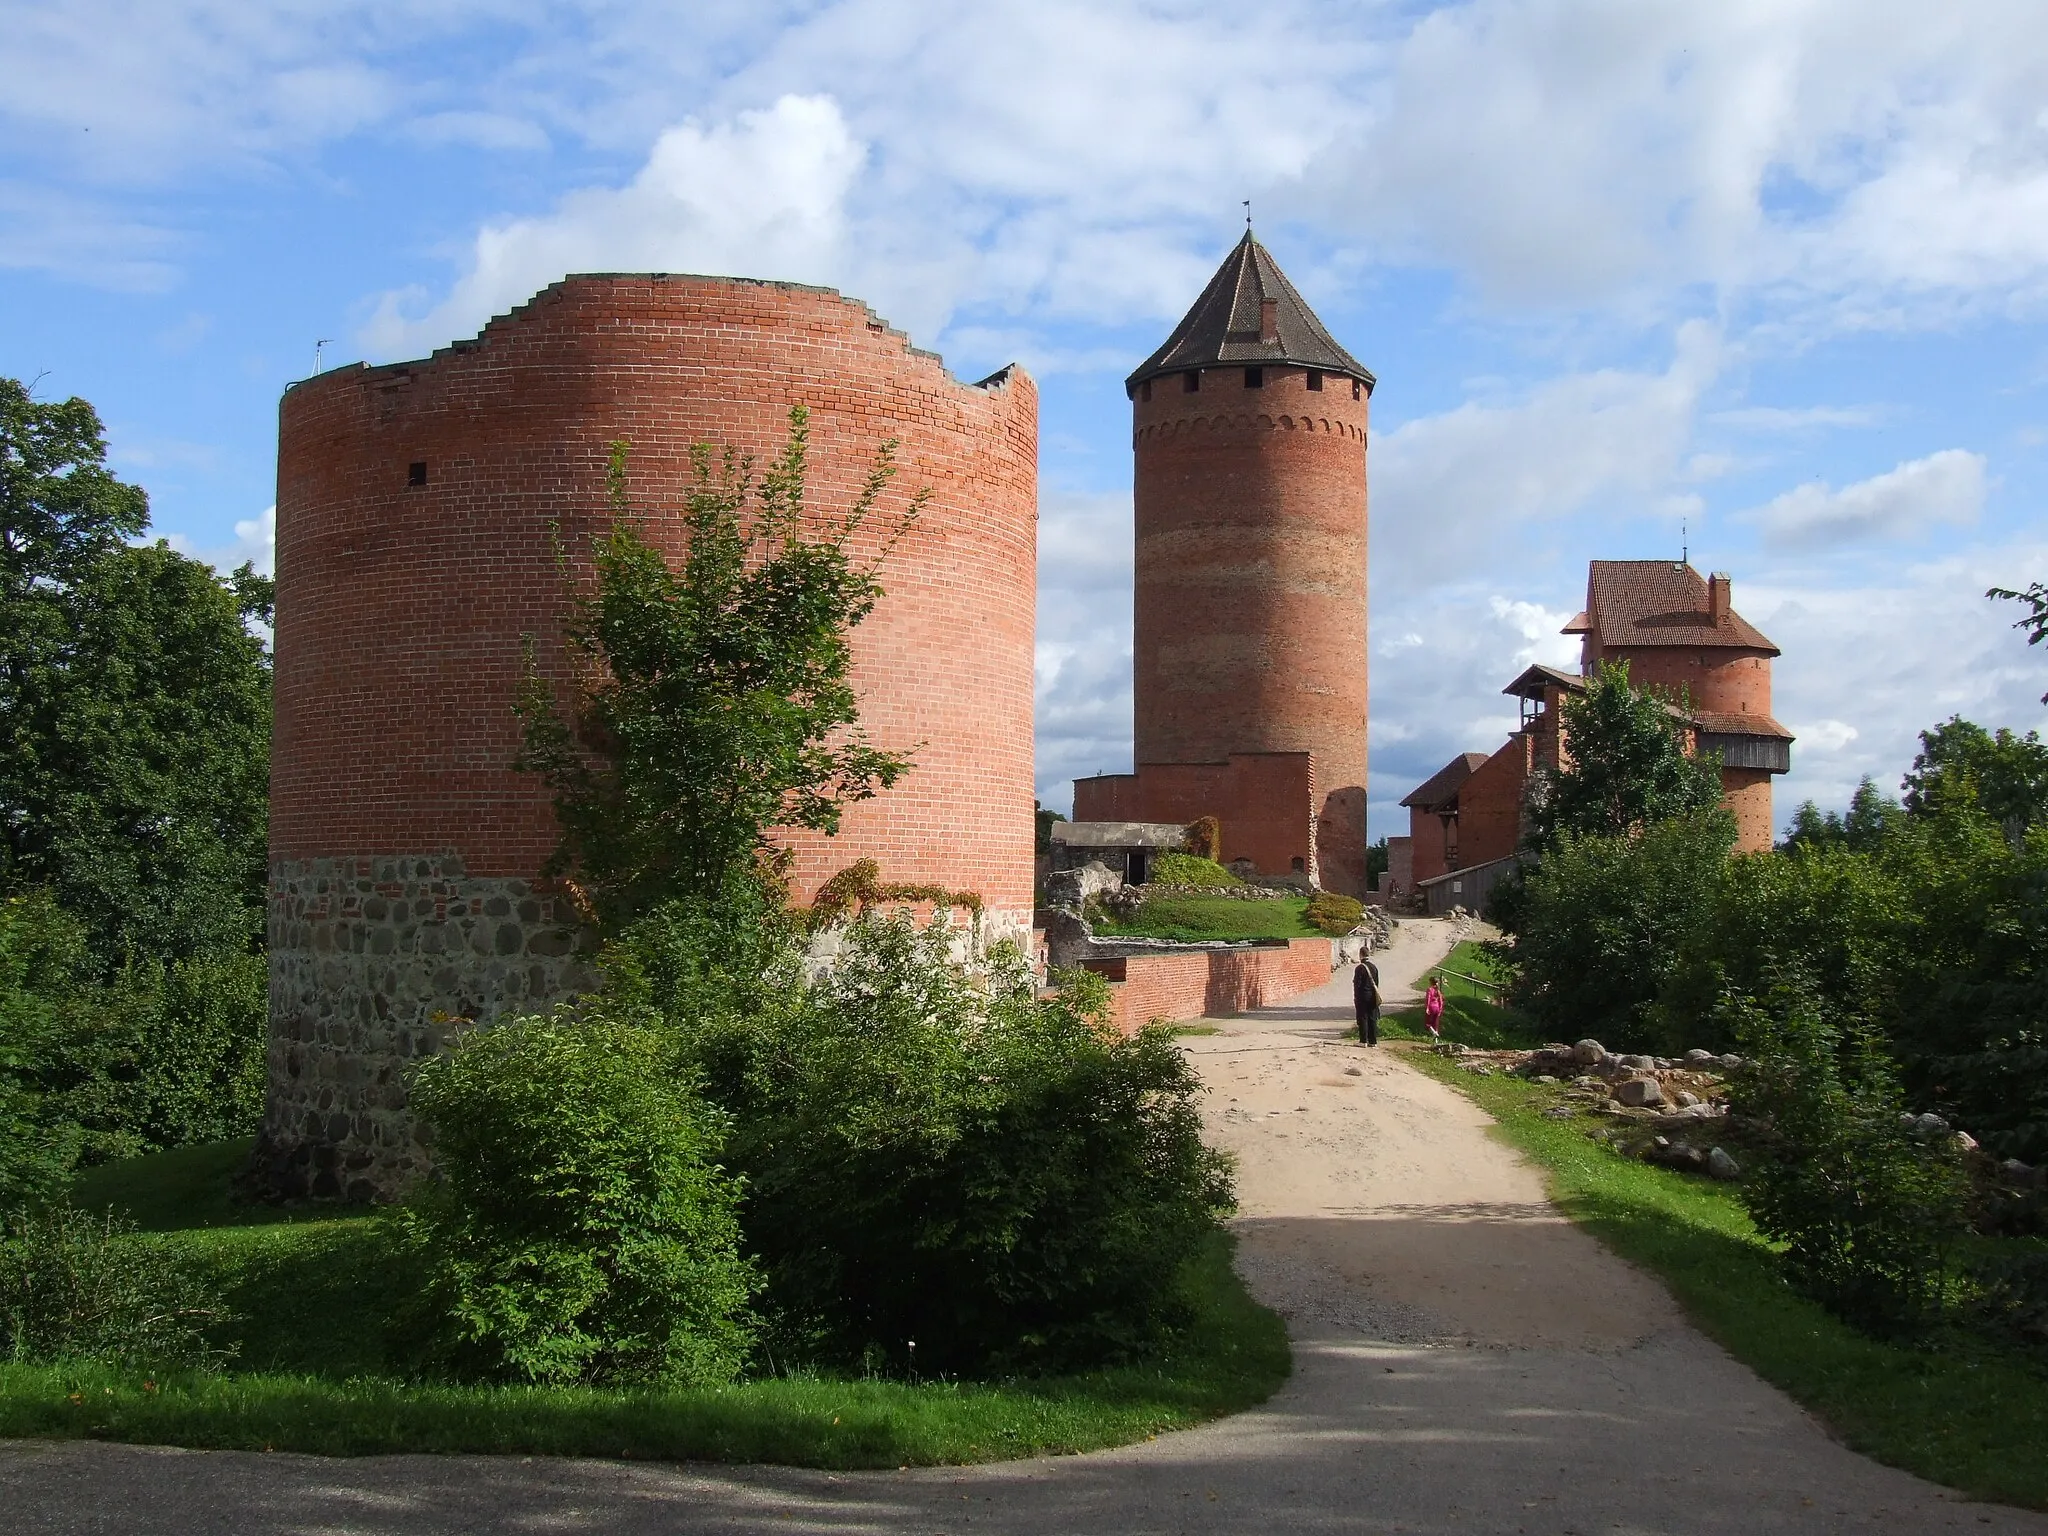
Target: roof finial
column 1684, row 544
column 1247, row 215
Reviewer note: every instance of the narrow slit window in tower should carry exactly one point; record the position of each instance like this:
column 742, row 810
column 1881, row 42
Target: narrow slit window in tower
column 1354, row 389
column 416, row 472
column 1255, row 378
column 1191, row 381
column 1315, row 378
column 1145, row 390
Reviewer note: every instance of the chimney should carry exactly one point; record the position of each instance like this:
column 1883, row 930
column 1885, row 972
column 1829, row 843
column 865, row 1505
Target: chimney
column 1269, row 319
column 1718, row 600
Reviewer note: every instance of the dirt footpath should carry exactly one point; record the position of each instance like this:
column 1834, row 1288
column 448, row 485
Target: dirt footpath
column 1465, row 1361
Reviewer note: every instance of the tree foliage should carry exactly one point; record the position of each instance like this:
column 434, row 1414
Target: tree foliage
column 2002, row 773
column 134, row 705
column 711, row 704
column 1627, row 764
column 1870, row 819
column 579, row 1226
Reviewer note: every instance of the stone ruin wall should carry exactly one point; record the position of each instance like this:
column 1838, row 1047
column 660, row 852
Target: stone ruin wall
column 420, row 511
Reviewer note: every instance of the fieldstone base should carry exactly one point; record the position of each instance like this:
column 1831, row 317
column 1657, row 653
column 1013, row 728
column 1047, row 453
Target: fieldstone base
column 371, row 962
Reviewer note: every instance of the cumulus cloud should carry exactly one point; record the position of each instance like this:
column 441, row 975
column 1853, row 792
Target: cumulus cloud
column 255, row 543
column 761, row 195
column 1602, row 440
column 1943, row 489
column 1083, row 661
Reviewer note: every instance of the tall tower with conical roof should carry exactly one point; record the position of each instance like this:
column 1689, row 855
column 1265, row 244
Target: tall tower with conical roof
column 1250, row 619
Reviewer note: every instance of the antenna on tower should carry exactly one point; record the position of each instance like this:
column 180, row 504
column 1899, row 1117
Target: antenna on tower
column 322, row 342
column 1684, row 544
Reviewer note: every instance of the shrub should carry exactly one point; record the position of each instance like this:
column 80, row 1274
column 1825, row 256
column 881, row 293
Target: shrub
column 942, row 1157
column 1869, row 1212
column 1334, row 914
column 74, row 1286
column 577, row 1228
column 1839, row 918
column 1189, row 869
column 1602, row 919
column 1203, row 837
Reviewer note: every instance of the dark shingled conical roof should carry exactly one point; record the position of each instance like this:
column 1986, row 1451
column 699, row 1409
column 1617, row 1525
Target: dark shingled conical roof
column 1223, row 326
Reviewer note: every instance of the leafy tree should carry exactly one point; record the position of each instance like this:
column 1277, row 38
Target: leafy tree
column 1627, row 765
column 1603, row 920
column 1871, row 818
column 1045, row 820
column 2035, row 622
column 134, row 705
column 2001, row 772
column 711, row 704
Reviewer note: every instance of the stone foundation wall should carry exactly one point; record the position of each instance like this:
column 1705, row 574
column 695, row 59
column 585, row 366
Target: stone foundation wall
column 371, row 960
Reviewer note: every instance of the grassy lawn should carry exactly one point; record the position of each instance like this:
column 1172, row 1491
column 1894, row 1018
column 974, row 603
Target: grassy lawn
column 1193, row 918
column 319, row 1368
column 1962, row 1414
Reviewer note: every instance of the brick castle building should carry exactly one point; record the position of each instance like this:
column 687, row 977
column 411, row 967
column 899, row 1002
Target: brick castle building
column 1249, row 438
column 1679, row 634
column 419, row 507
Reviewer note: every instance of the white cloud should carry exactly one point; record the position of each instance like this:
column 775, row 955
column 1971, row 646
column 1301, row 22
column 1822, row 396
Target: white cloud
column 1083, row 671
column 1945, row 488
column 1484, row 472
column 760, row 196
column 255, row 543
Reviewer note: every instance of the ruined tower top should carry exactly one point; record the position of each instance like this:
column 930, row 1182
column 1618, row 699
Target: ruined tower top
column 1251, row 314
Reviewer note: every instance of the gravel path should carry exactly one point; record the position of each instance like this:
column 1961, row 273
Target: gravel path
column 1466, row 1361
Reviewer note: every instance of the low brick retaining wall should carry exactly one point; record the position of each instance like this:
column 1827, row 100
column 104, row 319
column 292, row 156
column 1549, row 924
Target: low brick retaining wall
column 1210, row 983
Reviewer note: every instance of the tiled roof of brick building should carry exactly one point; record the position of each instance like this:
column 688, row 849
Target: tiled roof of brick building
column 1441, row 787
column 1637, row 603
column 1227, row 324
column 1530, row 684
column 1715, row 723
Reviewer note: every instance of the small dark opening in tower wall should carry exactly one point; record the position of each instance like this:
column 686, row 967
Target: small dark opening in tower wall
column 1145, row 390
column 1354, row 389
column 416, row 472
column 1255, row 378
column 1315, row 378
column 1191, row 381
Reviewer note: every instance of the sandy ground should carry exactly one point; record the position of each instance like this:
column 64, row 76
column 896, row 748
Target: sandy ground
column 1465, row 1361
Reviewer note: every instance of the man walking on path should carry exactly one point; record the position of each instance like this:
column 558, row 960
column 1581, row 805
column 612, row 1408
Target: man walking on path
column 1365, row 997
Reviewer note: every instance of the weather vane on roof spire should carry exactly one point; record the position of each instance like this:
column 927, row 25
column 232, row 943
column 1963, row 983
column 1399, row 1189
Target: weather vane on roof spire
column 1247, row 215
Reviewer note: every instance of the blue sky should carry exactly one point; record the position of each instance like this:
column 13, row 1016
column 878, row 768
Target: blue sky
column 1773, row 269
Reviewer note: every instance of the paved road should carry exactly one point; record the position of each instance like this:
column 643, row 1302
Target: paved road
column 1465, row 1362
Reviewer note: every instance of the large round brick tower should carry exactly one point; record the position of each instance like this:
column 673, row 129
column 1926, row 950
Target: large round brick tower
column 419, row 510
column 1250, row 619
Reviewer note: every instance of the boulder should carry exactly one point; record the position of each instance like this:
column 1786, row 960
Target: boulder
column 1640, row 1063
column 1698, row 1057
column 1588, row 1053
column 1076, row 887
column 1639, row 1092
column 1722, row 1166
column 1731, row 1061
column 1684, row 1100
column 1964, row 1141
column 1930, row 1125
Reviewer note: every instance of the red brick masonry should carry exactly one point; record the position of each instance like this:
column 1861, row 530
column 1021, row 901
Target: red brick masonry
column 1211, row 983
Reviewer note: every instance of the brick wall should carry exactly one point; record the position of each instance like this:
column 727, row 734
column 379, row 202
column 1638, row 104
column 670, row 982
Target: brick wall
column 1715, row 678
column 400, row 608
column 1212, row 983
column 1250, row 595
column 1429, row 854
column 404, row 595
column 1265, row 800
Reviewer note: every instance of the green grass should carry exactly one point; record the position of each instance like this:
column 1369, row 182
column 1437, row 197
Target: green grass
column 1963, row 1415
column 1192, row 919
column 1471, row 1016
column 319, row 1367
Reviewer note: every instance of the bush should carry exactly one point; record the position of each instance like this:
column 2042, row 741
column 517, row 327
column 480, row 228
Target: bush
column 74, row 1286
column 1334, row 914
column 1602, row 919
column 1188, row 869
column 942, row 1158
column 577, row 1228
column 1869, row 1213
column 1839, row 917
